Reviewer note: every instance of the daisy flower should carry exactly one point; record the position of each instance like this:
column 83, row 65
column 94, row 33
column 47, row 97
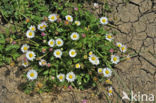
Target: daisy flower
column 32, row 74
column 52, row 17
column 107, row 72
column 42, row 62
column 100, row 70
column 58, row 53
column 94, row 59
column 77, row 65
column 123, row 48
column 25, row 63
column 30, row 55
column 118, row 44
column 90, row 53
column 51, row 42
column 61, row 77
column 109, row 37
column 42, row 26
column 32, row 28
column 104, row 20
column 115, row 59
column 59, row 42
column 74, row 36
column 77, row 23
column 110, row 90
column 72, row 53
column 70, row 77
column 24, row 48
column 30, row 34
column 69, row 18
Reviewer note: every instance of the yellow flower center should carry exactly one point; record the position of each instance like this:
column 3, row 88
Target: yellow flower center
column 100, row 70
column 44, row 26
column 30, row 33
column 51, row 43
column 76, row 22
column 103, row 20
column 90, row 53
column 110, row 91
column 119, row 45
column 77, row 65
column 32, row 74
column 25, row 48
column 115, row 58
column 93, row 58
column 25, row 63
column 73, row 52
column 58, row 53
column 123, row 48
column 109, row 36
column 59, row 42
column 74, row 36
column 33, row 28
column 53, row 17
column 70, row 76
column 41, row 27
column 69, row 18
column 43, row 62
column 31, row 55
column 107, row 71
column 61, row 77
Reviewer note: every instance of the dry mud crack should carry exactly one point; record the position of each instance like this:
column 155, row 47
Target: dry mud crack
column 135, row 23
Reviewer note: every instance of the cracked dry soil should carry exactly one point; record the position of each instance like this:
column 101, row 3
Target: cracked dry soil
column 135, row 23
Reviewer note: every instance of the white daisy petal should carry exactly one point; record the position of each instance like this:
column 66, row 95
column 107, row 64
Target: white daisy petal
column 118, row 44
column 59, row 42
column 109, row 37
column 25, row 63
column 32, row 74
column 123, row 48
column 42, row 62
column 104, row 20
column 69, row 18
column 52, row 17
column 107, row 72
column 74, row 36
column 24, row 48
column 30, row 55
column 72, row 53
column 77, row 23
column 61, row 77
column 30, row 34
column 51, row 42
column 115, row 59
column 58, row 53
column 32, row 28
column 70, row 77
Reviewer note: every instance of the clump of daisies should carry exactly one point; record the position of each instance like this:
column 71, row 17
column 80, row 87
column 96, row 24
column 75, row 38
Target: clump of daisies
column 69, row 53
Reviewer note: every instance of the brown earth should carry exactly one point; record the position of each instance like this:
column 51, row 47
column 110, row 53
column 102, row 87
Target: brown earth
column 135, row 24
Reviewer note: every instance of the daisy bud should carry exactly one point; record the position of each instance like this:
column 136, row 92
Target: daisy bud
column 43, row 34
column 76, row 9
column 44, row 41
column 83, row 35
column 111, row 50
column 66, row 23
column 25, row 58
column 70, row 87
column 96, row 5
column 48, row 65
column 59, row 20
column 45, row 18
column 50, row 49
column 27, row 20
column 14, row 42
column 52, row 77
column 43, row 50
column 84, row 101
column 56, row 33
